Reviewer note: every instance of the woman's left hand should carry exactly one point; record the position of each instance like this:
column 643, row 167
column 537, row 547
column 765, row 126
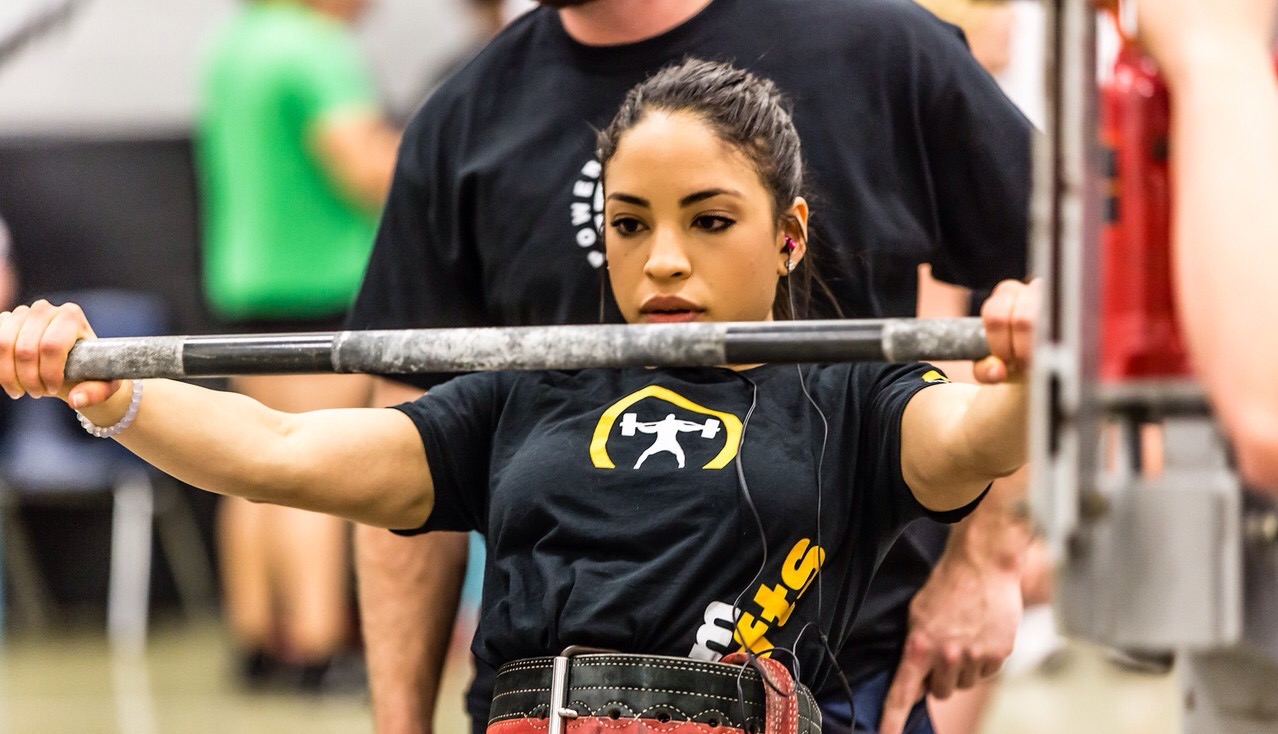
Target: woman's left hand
column 1009, row 316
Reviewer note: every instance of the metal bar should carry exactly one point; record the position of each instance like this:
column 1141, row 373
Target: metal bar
column 1152, row 400
column 531, row 347
column 1065, row 227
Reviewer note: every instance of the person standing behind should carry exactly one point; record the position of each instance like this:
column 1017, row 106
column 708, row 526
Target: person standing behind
column 987, row 24
column 294, row 161
column 494, row 219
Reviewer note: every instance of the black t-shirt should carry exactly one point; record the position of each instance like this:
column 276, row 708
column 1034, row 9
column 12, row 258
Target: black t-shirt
column 913, row 153
column 614, row 516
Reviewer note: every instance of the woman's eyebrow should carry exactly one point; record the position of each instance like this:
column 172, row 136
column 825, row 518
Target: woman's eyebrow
column 688, row 200
column 691, row 199
column 630, row 199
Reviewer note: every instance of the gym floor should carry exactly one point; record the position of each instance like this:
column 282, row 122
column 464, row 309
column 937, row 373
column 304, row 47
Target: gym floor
column 66, row 682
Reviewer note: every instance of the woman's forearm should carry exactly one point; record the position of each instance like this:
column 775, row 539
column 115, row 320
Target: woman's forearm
column 366, row 465
column 994, row 431
column 219, row 441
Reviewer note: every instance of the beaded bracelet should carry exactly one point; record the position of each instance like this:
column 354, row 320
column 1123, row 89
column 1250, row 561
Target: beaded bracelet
column 99, row 432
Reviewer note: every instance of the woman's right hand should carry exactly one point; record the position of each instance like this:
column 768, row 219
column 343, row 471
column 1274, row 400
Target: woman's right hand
column 34, row 343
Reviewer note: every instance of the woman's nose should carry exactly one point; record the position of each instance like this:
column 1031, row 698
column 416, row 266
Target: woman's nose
column 668, row 258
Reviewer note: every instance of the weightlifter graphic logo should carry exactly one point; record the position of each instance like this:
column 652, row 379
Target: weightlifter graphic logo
column 668, row 426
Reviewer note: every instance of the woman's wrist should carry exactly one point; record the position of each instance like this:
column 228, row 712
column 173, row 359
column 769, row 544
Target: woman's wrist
column 112, row 410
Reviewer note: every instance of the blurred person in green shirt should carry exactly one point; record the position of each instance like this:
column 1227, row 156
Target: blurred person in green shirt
column 295, row 159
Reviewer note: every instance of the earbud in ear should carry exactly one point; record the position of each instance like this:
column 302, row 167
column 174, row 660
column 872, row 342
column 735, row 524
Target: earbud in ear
column 788, row 246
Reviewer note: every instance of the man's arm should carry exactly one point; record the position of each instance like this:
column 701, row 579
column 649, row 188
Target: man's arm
column 409, row 588
column 356, row 149
column 1219, row 67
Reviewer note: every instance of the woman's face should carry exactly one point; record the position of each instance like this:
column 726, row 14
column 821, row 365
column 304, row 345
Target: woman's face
column 690, row 230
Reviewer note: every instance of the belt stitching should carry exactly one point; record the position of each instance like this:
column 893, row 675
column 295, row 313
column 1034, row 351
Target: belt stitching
column 621, row 662
column 637, row 689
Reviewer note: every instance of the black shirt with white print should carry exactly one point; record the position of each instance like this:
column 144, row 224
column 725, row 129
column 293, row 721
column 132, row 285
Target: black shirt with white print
column 913, row 154
column 614, row 517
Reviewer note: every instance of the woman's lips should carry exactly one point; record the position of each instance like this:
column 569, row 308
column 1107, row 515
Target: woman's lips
column 670, row 317
column 668, row 310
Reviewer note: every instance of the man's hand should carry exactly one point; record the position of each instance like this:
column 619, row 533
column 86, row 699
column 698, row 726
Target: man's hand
column 963, row 621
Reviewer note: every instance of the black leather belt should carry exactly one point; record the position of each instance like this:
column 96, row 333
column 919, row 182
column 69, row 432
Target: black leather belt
column 622, row 686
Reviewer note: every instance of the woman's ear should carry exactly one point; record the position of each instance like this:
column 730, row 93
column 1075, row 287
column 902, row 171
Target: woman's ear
column 794, row 236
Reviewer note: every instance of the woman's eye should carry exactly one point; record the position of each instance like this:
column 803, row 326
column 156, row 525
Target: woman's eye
column 626, row 225
column 712, row 222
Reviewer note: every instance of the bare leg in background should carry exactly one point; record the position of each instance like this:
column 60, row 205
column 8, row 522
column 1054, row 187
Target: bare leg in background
column 285, row 574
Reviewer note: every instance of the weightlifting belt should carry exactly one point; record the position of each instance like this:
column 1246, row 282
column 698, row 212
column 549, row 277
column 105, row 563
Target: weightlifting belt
column 614, row 693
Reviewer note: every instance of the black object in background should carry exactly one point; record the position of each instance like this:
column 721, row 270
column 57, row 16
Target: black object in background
column 103, row 213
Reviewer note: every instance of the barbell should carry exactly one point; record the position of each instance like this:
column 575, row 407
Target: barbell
column 630, row 424
column 408, row 351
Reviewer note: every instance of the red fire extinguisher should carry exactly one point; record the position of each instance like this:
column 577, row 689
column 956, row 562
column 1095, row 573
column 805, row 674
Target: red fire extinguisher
column 1140, row 336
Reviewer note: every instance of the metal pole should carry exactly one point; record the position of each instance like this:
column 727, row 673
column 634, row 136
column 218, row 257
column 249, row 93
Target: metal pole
column 530, row 348
column 1065, row 227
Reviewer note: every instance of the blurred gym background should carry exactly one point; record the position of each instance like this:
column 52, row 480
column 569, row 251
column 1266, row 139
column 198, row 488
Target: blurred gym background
column 96, row 185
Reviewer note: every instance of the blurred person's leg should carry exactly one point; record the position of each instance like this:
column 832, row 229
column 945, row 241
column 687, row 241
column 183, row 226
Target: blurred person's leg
column 246, row 586
column 310, row 551
column 304, row 554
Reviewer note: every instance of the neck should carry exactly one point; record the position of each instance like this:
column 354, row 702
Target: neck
column 612, row 22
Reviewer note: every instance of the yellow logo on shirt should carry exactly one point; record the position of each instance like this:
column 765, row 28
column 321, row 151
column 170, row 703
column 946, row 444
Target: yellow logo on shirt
column 934, row 376
column 728, row 628
column 665, row 432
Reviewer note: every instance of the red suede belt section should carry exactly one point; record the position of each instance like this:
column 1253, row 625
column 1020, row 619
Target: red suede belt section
column 782, row 702
column 605, row 725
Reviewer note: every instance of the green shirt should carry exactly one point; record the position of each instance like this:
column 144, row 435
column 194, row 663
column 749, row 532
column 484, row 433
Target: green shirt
column 281, row 241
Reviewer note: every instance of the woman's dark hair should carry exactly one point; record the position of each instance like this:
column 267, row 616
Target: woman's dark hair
column 745, row 110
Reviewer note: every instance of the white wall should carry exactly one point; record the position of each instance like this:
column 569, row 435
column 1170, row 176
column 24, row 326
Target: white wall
column 129, row 67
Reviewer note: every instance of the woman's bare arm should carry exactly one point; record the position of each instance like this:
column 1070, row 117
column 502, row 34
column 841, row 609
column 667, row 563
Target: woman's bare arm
column 955, row 438
column 363, row 464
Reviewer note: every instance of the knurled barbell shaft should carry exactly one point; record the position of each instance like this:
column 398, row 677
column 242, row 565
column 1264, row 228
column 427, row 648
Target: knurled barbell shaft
column 531, row 347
